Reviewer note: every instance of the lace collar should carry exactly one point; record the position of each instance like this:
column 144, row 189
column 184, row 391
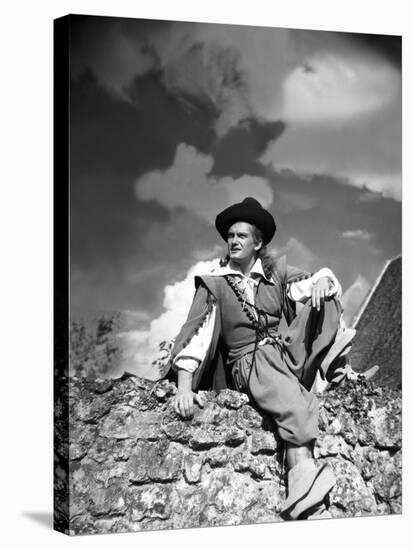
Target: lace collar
column 257, row 269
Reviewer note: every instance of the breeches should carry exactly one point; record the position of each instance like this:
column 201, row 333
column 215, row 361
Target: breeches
column 281, row 375
column 277, row 391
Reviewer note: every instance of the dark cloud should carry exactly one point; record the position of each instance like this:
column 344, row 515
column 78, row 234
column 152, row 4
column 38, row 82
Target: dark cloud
column 131, row 138
column 99, row 43
column 237, row 152
column 334, row 207
column 388, row 45
column 112, row 143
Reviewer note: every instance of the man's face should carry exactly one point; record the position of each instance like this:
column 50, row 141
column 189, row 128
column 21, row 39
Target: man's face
column 240, row 242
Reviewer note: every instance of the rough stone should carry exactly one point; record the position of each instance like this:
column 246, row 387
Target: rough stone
column 124, row 422
column 351, row 492
column 241, row 460
column 103, row 385
column 135, row 465
column 388, row 483
column 218, row 456
column 329, row 445
column 258, row 468
column 107, row 501
column 205, row 437
column 234, row 437
column 162, row 390
column 116, row 425
column 248, row 419
column 232, row 399
column 263, row 442
column 160, row 461
column 396, row 506
column 82, row 438
column 193, row 467
column 349, row 428
column 91, row 408
column 234, row 499
column 150, row 502
column 385, row 428
column 177, row 431
column 114, row 471
column 211, row 413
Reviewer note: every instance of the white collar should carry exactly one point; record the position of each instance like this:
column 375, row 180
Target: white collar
column 257, row 269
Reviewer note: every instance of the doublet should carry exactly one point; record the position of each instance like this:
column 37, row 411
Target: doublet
column 263, row 349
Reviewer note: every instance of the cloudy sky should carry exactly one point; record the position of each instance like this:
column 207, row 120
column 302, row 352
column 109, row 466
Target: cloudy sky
column 172, row 122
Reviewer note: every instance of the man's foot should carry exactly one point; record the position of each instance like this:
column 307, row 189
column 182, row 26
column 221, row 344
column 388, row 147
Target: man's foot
column 342, row 374
column 368, row 374
column 308, row 486
column 340, row 347
column 317, row 512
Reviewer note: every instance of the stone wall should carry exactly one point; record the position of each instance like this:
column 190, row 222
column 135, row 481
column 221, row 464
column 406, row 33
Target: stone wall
column 134, row 464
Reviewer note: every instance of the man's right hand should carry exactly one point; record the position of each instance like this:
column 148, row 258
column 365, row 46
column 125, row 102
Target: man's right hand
column 184, row 401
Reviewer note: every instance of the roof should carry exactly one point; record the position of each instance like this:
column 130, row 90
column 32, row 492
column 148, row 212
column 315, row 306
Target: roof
column 378, row 326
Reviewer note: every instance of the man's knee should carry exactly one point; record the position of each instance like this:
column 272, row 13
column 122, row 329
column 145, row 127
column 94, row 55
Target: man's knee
column 305, row 434
column 303, row 425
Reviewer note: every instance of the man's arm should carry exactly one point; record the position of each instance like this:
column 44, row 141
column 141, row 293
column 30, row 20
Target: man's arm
column 187, row 361
column 316, row 287
column 185, row 397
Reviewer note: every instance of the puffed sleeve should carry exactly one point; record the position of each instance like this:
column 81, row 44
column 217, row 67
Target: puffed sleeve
column 300, row 288
column 191, row 344
column 194, row 353
column 295, row 274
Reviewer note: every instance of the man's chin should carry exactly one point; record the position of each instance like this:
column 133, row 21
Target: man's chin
column 235, row 258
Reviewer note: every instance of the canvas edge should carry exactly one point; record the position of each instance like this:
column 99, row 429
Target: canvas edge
column 61, row 274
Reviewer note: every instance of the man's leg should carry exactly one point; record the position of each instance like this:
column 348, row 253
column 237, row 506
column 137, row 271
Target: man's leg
column 309, row 337
column 308, row 485
column 277, row 391
column 316, row 342
column 297, row 453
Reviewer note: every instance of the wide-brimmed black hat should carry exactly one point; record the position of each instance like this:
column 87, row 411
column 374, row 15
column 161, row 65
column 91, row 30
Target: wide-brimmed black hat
column 250, row 211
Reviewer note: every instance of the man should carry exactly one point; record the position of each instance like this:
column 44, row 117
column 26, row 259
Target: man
column 243, row 332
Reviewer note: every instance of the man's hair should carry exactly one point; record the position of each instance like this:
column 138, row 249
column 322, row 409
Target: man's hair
column 266, row 258
column 257, row 235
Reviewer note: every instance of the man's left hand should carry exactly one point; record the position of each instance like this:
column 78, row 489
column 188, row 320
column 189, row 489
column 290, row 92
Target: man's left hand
column 320, row 291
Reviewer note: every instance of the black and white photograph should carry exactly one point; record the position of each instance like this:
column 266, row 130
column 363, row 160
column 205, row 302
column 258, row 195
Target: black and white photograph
column 234, row 306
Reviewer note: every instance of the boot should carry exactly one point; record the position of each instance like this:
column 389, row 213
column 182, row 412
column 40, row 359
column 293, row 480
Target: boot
column 308, row 485
column 317, row 512
column 341, row 372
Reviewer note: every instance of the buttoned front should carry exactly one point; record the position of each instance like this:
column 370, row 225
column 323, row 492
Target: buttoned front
column 298, row 290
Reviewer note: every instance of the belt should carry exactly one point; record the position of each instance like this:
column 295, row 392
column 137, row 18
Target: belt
column 248, row 348
column 235, row 369
column 270, row 340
